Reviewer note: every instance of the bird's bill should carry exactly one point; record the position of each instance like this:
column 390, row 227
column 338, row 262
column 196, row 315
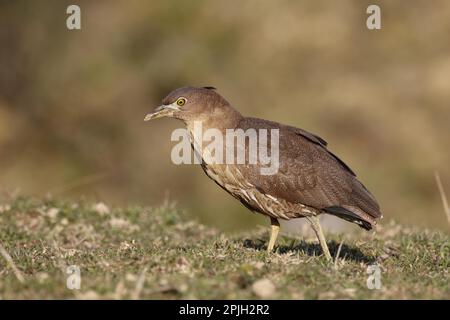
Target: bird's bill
column 161, row 111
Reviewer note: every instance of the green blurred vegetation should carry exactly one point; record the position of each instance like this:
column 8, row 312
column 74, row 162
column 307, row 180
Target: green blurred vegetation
column 72, row 102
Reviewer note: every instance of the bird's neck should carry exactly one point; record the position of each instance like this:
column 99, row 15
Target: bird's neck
column 221, row 119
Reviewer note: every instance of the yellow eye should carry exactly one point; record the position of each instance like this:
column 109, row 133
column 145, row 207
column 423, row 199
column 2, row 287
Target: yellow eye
column 181, row 101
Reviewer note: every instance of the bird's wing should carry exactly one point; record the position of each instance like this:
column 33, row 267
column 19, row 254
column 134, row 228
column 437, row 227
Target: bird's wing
column 311, row 175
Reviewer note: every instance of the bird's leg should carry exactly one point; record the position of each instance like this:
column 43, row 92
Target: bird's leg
column 315, row 223
column 274, row 228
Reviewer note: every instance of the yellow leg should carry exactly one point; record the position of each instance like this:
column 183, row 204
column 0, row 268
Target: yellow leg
column 315, row 224
column 274, row 228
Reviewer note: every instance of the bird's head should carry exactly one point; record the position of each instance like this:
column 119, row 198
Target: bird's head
column 191, row 104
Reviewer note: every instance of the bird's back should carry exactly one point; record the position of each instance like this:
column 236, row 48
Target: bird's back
column 309, row 174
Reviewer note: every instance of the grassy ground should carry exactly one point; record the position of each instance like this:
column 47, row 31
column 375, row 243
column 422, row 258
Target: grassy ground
column 157, row 253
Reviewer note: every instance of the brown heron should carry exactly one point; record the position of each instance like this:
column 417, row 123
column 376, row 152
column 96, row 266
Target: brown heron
column 310, row 180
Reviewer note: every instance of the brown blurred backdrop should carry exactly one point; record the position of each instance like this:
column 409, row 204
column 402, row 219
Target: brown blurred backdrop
column 72, row 103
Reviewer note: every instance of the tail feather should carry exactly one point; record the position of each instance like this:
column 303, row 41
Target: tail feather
column 364, row 201
column 348, row 214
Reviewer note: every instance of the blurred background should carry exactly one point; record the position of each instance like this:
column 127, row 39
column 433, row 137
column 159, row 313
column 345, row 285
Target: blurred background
column 72, row 103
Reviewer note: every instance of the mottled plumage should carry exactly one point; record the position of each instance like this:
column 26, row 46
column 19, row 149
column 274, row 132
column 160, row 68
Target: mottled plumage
column 311, row 180
column 311, row 175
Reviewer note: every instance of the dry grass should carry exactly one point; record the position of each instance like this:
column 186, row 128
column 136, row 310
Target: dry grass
column 157, row 253
column 443, row 196
column 11, row 263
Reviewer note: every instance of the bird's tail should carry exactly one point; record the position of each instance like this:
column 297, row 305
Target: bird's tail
column 362, row 209
column 351, row 216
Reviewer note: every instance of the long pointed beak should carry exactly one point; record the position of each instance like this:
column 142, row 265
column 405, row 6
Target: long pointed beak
column 161, row 111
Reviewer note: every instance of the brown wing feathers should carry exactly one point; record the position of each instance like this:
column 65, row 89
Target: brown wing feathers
column 310, row 174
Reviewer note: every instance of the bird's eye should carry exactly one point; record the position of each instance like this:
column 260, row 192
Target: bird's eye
column 181, row 101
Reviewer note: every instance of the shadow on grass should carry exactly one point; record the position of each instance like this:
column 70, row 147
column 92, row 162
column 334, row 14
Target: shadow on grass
column 313, row 249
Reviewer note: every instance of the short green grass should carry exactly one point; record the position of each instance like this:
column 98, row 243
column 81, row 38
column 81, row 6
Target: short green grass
column 157, row 253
